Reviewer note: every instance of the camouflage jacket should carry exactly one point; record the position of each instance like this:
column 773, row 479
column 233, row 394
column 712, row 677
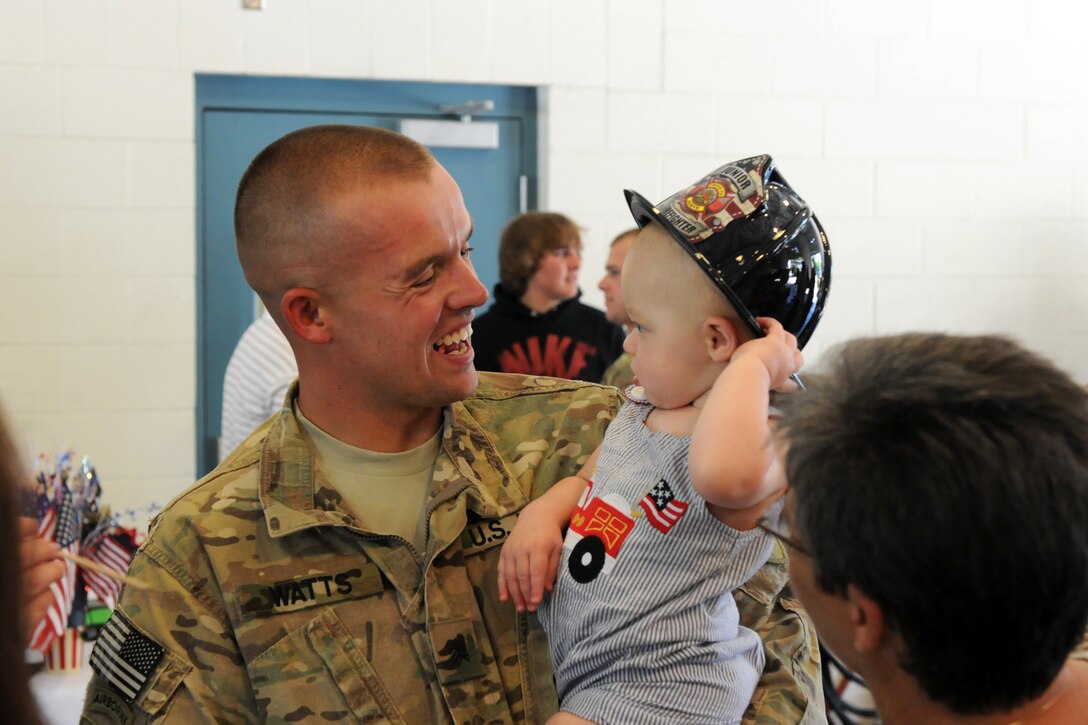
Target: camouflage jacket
column 619, row 373
column 267, row 603
column 790, row 691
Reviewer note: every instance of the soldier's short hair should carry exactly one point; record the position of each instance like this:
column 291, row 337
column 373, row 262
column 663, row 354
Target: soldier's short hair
column 947, row 478
column 282, row 205
column 526, row 240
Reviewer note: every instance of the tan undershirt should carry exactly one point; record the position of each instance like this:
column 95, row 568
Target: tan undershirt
column 385, row 492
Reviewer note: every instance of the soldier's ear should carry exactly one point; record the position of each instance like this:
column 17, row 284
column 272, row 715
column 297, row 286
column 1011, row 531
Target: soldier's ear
column 302, row 308
column 720, row 338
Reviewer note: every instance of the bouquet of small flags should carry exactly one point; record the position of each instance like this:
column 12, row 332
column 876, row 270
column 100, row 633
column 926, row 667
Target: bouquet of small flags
column 66, row 501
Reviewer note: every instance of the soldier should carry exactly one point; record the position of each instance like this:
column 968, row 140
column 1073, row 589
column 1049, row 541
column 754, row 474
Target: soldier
column 619, row 373
column 341, row 563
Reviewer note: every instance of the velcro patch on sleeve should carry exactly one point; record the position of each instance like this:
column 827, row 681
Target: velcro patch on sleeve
column 104, row 705
column 125, row 657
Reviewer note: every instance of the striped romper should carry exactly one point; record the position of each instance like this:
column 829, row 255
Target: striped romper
column 642, row 624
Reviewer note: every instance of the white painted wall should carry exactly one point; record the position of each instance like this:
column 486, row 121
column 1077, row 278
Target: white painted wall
column 941, row 142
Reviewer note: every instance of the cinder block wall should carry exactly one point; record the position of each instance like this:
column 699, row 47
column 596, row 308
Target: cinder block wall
column 942, row 142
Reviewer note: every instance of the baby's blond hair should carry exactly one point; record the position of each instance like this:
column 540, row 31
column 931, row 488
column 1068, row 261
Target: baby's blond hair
column 680, row 280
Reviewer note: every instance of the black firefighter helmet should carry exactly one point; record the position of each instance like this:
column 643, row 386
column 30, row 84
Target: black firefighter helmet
column 755, row 238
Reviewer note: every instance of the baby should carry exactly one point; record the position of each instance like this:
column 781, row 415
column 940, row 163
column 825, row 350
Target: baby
column 663, row 517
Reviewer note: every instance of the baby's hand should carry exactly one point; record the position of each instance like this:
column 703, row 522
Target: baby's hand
column 777, row 351
column 529, row 561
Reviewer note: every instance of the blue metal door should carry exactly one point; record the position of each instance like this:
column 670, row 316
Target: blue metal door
column 238, row 116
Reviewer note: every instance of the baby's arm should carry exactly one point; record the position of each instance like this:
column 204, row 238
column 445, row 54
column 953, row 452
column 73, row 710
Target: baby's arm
column 733, row 462
column 530, row 557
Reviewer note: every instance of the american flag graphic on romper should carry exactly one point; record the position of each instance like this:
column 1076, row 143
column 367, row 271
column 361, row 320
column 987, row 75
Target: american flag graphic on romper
column 661, row 507
column 59, row 522
column 124, row 656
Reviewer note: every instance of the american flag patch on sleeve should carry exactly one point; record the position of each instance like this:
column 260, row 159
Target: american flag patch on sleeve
column 125, row 656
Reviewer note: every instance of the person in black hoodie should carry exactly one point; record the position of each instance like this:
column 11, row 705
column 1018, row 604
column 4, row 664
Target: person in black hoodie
column 537, row 325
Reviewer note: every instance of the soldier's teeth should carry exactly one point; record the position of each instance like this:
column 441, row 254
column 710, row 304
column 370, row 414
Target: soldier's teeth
column 461, row 334
column 454, row 341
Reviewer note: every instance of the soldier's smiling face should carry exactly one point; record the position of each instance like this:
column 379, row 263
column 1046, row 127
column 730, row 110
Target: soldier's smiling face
column 405, row 292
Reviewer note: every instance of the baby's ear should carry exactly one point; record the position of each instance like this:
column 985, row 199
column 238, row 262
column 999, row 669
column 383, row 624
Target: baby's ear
column 720, row 337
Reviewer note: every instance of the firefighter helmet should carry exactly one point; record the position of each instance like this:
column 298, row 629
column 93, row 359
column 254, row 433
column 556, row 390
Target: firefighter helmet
column 756, row 239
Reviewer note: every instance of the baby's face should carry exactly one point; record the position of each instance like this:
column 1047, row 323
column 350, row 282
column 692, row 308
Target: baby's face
column 671, row 361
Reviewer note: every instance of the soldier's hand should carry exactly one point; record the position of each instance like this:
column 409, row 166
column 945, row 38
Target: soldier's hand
column 41, row 567
column 529, row 560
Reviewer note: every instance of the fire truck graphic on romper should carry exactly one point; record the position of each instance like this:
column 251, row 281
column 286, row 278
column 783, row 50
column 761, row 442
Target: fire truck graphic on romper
column 599, row 526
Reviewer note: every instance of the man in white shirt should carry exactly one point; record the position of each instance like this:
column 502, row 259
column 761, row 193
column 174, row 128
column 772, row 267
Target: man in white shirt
column 261, row 368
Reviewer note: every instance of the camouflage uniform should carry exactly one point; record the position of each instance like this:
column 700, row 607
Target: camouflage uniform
column 619, row 374
column 790, row 691
column 267, row 603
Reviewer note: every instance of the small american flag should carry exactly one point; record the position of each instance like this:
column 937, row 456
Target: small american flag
column 112, row 548
column 661, row 507
column 124, row 656
column 66, row 652
column 59, row 522
column 68, row 519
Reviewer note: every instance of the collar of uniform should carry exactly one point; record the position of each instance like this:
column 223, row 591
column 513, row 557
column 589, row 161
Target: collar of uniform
column 288, row 475
column 290, row 481
column 493, row 491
